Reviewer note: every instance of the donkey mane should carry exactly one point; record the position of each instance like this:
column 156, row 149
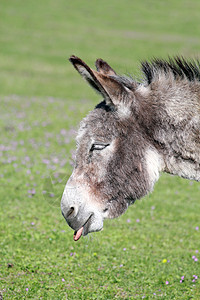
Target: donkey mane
column 179, row 67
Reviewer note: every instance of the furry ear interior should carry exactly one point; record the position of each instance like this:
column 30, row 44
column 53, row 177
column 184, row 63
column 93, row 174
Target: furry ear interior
column 101, row 80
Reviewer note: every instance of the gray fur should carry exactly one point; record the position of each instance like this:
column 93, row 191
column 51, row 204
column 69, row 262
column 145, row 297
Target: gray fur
column 139, row 130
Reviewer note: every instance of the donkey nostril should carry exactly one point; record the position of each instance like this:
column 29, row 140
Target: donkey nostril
column 70, row 212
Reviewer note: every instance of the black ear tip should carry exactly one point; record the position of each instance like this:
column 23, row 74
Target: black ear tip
column 103, row 67
column 73, row 59
column 100, row 62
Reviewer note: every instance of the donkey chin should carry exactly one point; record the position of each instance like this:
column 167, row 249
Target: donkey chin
column 82, row 214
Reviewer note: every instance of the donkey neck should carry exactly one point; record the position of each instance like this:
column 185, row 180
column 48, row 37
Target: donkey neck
column 170, row 113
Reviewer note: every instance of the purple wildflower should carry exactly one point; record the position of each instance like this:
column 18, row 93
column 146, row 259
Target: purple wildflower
column 194, row 258
column 167, row 282
column 31, row 192
column 182, row 279
column 55, row 160
column 63, row 132
column 27, row 289
column 63, row 279
column 197, row 227
column 46, row 161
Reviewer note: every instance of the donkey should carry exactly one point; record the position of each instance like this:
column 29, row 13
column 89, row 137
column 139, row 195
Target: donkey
column 139, row 130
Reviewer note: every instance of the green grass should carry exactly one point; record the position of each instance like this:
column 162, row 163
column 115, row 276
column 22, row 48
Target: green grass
column 42, row 100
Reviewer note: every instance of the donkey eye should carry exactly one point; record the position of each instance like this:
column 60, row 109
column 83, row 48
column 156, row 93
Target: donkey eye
column 98, row 146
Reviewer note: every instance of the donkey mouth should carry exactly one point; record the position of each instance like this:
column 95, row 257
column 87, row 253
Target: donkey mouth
column 84, row 230
column 78, row 234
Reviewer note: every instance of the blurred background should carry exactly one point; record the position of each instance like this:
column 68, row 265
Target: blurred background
column 37, row 39
column 153, row 249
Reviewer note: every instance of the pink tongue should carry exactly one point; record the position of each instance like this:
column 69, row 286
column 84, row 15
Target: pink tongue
column 77, row 234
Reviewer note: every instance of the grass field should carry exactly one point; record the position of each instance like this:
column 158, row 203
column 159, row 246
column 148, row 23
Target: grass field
column 153, row 250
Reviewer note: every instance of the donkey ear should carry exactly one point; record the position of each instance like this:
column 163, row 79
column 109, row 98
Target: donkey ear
column 101, row 81
column 104, row 68
column 88, row 74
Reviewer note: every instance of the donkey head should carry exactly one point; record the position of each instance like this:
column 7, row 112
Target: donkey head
column 114, row 158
